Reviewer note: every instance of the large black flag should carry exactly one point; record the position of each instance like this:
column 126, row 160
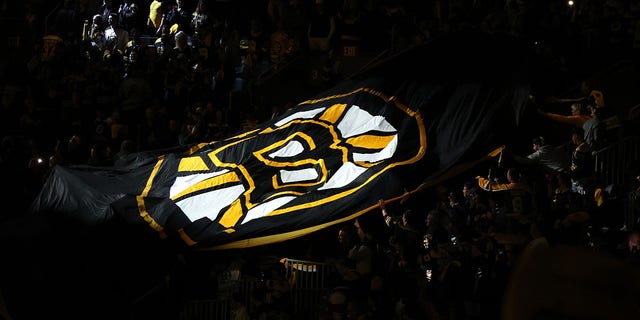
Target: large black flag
column 409, row 122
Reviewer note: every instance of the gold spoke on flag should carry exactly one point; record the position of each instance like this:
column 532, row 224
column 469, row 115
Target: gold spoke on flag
column 192, row 164
column 232, row 215
column 370, row 141
column 333, row 113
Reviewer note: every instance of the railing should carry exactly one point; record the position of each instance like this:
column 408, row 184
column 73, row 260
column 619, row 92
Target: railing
column 12, row 33
column 612, row 163
column 631, row 210
column 206, row 309
column 614, row 166
column 309, row 285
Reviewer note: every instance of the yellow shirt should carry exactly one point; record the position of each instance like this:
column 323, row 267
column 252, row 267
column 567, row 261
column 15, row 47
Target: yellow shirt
column 155, row 14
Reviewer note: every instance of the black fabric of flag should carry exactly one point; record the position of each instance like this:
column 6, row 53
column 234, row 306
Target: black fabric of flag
column 410, row 121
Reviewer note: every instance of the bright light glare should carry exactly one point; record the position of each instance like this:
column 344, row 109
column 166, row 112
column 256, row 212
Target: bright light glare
column 570, row 3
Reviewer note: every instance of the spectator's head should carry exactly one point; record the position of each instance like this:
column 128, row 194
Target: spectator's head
column 181, row 40
column 97, row 19
column 127, row 146
column 433, row 218
column 469, row 190
column 201, row 7
column 585, row 86
column 113, row 19
column 538, row 142
column 410, row 217
column 346, row 234
column 596, row 98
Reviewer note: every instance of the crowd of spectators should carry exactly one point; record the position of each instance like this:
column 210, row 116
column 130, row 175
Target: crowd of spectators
column 452, row 253
column 105, row 79
column 148, row 75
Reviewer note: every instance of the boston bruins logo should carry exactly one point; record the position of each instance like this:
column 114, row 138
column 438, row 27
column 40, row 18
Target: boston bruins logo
column 320, row 152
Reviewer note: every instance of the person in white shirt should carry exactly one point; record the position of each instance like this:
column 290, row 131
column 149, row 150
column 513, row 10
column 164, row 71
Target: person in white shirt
column 551, row 157
column 116, row 36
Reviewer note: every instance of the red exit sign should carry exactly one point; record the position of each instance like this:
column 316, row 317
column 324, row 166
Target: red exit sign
column 349, row 51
